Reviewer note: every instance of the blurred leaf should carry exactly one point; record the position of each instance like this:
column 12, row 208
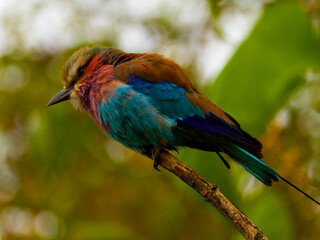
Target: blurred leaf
column 215, row 7
column 264, row 72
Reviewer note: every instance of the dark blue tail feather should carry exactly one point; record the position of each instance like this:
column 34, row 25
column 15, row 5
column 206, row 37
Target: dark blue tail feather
column 257, row 168
column 251, row 163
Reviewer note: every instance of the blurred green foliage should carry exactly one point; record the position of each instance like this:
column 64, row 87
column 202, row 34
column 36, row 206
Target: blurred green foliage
column 267, row 67
column 62, row 178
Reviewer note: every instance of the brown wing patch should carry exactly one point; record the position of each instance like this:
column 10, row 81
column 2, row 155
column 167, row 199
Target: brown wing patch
column 154, row 68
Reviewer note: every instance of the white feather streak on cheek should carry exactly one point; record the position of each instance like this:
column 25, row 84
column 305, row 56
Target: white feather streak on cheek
column 75, row 101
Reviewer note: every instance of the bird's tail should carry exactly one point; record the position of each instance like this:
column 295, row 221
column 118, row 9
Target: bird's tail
column 257, row 167
column 251, row 163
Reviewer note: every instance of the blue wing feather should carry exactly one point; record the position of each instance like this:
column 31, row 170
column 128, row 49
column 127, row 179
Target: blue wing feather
column 167, row 97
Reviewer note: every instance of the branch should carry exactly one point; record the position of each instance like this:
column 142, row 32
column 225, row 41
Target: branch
column 211, row 193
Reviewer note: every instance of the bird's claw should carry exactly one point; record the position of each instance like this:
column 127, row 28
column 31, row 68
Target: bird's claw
column 155, row 157
column 155, row 165
column 152, row 153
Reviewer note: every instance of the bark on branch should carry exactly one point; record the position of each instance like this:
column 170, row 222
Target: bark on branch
column 211, row 193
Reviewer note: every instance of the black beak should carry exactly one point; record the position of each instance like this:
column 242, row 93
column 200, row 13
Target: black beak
column 61, row 96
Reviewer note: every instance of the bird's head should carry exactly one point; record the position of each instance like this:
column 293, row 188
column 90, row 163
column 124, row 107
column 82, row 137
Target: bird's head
column 73, row 73
column 78, row 70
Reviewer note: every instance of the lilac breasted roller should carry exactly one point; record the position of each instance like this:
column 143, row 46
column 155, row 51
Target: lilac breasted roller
column 146, row 102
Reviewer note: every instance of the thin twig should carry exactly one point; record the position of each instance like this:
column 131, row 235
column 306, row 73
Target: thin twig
column 211, row 193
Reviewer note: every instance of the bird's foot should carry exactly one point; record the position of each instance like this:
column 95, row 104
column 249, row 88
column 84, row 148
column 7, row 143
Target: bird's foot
column 155, row 157
column 152, row 153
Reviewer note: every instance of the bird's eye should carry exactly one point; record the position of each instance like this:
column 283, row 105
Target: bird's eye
column 81, row 70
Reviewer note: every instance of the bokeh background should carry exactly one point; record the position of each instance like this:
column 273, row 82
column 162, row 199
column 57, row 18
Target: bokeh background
column 61, row 177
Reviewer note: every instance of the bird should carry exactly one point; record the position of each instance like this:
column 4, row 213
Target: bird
column 147, row 103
